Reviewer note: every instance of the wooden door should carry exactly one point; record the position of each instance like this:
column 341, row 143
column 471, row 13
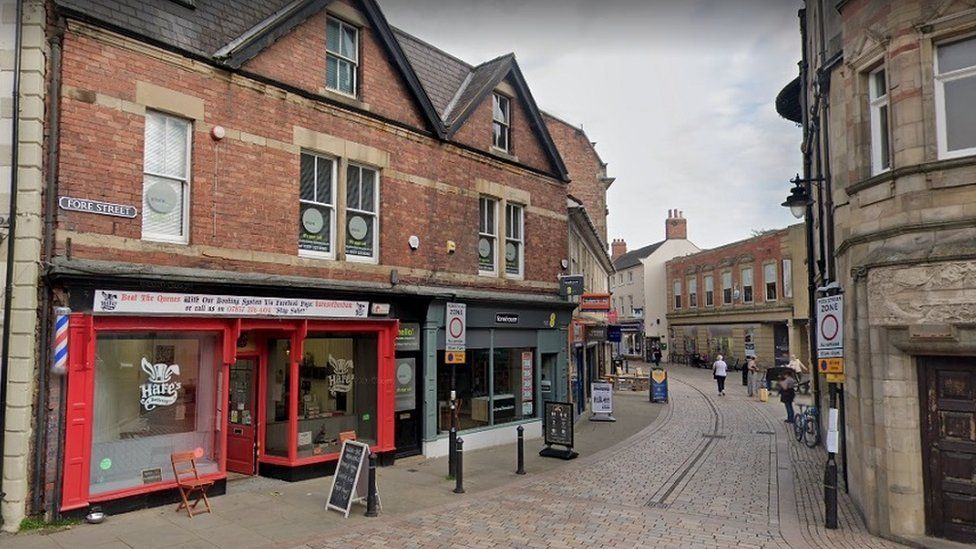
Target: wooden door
column 949, row 445
column 242, row 417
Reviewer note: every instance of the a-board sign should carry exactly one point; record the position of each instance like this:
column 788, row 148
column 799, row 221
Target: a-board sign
column 602, row 397
column 151, row 476
column 352, row 459
column 559, row 423
column 659, row 385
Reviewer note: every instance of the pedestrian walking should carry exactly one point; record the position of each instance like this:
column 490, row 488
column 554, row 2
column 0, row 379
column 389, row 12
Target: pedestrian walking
column 656, row 355
column 753, row 371
column 787, row 392
column 719, row 370
column 796, row 365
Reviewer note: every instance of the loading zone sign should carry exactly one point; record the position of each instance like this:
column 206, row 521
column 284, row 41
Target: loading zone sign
column 830, row 327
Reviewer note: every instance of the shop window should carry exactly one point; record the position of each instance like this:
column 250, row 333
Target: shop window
column 955, row 92
column 470, row 383
column 166, row 178
column 487, row 235
column 514, row 239
column 154, row 396
column 514, row 385
column 316, row 218
column 342, row 56
column 513, row 380
column 276, row 398
column 362, row 205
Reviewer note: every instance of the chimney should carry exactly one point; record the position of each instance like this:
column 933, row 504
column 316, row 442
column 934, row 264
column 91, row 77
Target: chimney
column 617, row 248
column 676, row 227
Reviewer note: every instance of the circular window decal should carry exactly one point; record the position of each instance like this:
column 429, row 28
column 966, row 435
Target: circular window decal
column 511, row 252
column 161, row 198
column 313, row 221
column 484, row 248
column 357, row 227
column 404, row 373
column 105, row 464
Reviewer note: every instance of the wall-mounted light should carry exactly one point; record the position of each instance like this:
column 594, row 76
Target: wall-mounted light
column 413, row 242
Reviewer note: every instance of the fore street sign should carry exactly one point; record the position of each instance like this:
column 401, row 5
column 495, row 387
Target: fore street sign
column 96, row 207
column 830, row 326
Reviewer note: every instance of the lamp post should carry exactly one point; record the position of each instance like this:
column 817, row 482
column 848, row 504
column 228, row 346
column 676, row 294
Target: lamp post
column 801, row 206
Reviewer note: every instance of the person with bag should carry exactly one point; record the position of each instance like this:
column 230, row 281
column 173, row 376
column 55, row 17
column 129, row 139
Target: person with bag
column 753, row 372
column 719, row 370
column 787, row 392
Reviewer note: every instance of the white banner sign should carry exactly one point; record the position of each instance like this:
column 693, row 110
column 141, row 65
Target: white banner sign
column 159, row 303
column 456, row 323
column 830, row 326
column 602, row 398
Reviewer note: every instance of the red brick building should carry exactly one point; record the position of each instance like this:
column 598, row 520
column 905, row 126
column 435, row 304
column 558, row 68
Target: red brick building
column 742, row 299
column 265, row 209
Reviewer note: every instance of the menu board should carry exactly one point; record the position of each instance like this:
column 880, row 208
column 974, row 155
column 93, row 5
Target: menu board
column 559, row 423
column 351, row 461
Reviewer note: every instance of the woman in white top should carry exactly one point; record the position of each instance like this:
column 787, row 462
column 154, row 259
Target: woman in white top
column 719, row 370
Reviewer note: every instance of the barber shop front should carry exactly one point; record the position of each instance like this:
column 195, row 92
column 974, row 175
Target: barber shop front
column 252, row 385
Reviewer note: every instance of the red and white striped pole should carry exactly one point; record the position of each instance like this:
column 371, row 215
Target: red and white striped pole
column 61, row 317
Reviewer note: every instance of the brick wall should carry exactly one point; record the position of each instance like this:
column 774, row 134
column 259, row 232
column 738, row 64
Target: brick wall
column 586, row 170
column 244, row 189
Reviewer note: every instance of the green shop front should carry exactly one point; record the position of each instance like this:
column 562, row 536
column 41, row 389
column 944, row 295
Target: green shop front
column 515, row 359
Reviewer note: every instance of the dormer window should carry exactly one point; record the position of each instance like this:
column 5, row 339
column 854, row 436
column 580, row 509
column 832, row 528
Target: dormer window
column 500, row 132
column 342, row 56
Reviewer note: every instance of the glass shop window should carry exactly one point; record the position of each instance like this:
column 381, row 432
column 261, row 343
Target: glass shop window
column 154, row 396
column 508, row 395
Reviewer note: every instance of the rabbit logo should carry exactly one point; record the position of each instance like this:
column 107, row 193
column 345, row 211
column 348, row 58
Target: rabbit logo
column 161, row 389
column 342, row 377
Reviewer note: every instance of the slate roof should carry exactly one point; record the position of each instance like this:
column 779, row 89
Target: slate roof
column 633, row 257
column 441, row 73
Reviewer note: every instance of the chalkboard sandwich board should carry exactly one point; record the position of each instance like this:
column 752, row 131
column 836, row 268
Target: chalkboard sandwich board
column 558, row 429
column 352, row 460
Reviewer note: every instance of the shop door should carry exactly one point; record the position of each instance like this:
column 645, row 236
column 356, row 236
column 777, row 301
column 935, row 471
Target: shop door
column 408, row 412
column 949, row 446
column 241, row 428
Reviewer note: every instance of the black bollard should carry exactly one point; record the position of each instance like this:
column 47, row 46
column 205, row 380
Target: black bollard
column 521, row 451
column 371, row 488
column 452, row 447
column 459, row 468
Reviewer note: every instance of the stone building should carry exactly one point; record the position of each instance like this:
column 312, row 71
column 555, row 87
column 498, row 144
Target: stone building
column 740, row 300
column 639, row 288
column 20, row 350
column 885, row 96
column 259, row 259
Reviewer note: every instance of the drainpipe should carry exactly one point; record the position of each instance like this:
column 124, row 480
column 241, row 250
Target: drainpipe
column 11, row 236
column 50, row 210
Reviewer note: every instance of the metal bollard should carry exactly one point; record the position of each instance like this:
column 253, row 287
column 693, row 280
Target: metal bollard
column 452, row 452
column 371, row 488
column 459, row 471
column 521, row 451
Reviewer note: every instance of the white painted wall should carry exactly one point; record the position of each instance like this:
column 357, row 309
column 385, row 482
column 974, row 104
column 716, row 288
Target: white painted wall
column 655, row 288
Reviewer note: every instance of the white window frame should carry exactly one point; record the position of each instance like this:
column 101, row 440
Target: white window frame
column 880, row 126
column 331, row 254
column 354, row 62
column 709, row 282
column 940, row 110
column 492, row 235
column 767, row 282
column 751, row 285
column 677, row 294
column 730, row 288
column 505, row 123
column 375, row 214
column 520, row 241
column 693, row 292
column 184, row 236
column 788, row 278
column 630, row 306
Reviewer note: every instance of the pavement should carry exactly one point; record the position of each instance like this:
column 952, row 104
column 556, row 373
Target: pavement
column 702, row 470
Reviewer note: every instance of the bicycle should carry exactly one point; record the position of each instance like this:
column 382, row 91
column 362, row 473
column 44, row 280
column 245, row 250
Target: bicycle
column 806, row 426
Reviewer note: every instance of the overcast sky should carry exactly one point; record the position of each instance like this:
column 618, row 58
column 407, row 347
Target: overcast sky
column 678, row 94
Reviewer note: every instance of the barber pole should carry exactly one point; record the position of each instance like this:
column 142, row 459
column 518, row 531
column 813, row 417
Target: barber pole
column 61, row 340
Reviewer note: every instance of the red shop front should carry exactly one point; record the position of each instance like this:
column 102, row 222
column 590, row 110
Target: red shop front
column 249, row 395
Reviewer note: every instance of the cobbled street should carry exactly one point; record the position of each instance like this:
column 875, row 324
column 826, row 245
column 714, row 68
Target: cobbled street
column 711, row 471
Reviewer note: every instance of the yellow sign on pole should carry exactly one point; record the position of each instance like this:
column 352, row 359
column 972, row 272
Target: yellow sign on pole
column 454, row 357
column 831, row 366
column 835, row 378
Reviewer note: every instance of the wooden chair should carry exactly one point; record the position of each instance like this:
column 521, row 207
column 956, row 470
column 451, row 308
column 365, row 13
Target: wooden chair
column 188, row 482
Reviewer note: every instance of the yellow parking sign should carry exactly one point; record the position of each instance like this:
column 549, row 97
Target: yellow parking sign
column 831, row 365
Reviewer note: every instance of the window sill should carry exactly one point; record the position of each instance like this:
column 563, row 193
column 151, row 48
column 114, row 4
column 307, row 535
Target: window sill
column 345, row 99
column 362, row 259
column 503, row 153
column 165, row 240
column 510, row 276
column 307, row 254
column 488, row 273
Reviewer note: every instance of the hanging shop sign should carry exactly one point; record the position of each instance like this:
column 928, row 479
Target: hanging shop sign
column 830, row 326
column 613, row 334
column 408, row 338
column 571, row 285
column 594, row 302
column 95, row 207
column 159, row 303
column 456, row 326
column 527, row 385
column 596, row 333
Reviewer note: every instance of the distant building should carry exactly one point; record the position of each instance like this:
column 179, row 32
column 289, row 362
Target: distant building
column 639, row 287
column 739, row 300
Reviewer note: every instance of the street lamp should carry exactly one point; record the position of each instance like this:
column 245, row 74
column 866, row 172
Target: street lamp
column 798, row 200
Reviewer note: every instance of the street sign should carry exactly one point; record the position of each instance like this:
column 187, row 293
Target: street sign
column 831, row 365
column 454, row 357
column 835, row 378
column 456, row 324
column 830, row 327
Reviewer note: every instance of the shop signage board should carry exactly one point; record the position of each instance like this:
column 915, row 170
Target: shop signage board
column 161, row 303
column 506, row 318
column 528, row 388
column 830, row 326
column 408, row 338
column 456, row 327
column 659, row 385
column 352, row 460
column 95, row 207
column 406, row 384
column 613, row 334
column 596, row 333
column 602, row 401
column 558, row 430
column 749, row 342
column 571, row 285
column 594, row 302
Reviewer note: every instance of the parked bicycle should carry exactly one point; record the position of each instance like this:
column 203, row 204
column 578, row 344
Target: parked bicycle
column 806, row 426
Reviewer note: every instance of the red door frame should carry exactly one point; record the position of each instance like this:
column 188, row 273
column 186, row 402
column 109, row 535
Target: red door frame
column 255, row 356
column 83, row 332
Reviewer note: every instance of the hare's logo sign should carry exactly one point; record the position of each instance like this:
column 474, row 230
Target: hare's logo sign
column 342, row 378
column 109, row 301
column 161, row 389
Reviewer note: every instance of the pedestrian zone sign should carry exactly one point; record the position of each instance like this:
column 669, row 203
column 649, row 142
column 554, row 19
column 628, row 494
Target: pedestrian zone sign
column 830, row 327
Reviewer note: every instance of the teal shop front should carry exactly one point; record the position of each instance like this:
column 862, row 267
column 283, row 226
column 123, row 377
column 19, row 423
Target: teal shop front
column 515, row 359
